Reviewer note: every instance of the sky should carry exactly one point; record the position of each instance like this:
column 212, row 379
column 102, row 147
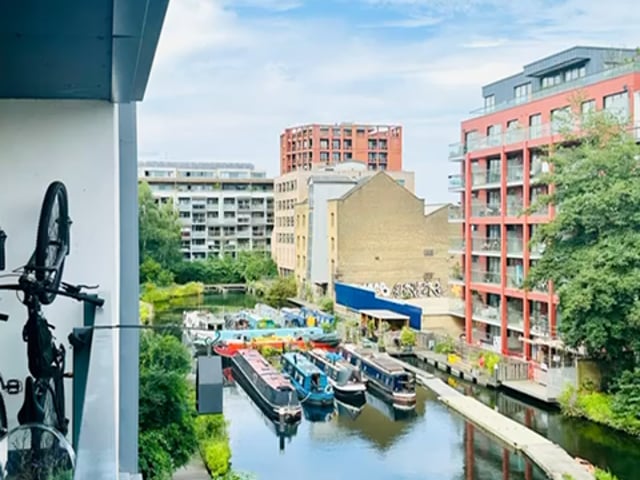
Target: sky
column 230, row 75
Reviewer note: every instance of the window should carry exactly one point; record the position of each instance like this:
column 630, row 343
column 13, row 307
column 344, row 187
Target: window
column 551, row 80
column 575, row 73
column 522, row 92
column 335, row 156
column 324, row 143
column 428, row 252
column 617, row 104
column 489, row 103
column 535, row 126
column 560, row 119
column 333, row 219
column 588, row 107
column 335, row 144
column 471, row 140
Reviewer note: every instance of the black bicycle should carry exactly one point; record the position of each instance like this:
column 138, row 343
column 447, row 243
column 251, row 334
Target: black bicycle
column 40, row 280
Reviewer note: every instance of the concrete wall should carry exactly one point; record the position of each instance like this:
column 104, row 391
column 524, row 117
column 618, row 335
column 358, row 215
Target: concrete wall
column 75, row 142
column 382, row 235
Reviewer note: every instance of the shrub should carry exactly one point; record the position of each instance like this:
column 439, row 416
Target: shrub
column 407, row 337
column 445, row 346
column 326, row 304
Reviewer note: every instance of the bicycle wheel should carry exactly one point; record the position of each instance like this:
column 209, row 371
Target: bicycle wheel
column 4, row 425
column 42, row 404
column 39, row 452
column 52, row 243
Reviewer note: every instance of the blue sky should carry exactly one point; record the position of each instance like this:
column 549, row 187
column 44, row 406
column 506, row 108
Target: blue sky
column 230, row 75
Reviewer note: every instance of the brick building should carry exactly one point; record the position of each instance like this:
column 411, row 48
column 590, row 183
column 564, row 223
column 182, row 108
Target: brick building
column 379, row 146
column 498, row 161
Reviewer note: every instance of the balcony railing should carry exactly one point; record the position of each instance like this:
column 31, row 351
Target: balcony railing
column 489, row 177
column 457, row 244
column 456, row 182
column 563, row 87
column 515, row 278
column 487, row 245
column 515, row 318
column 514, row 246
column 456, row 151
column 479, row 209
column 456, row 306
column 539, row 324
column 456, row 213
column 488, row 313
column 515, row 173
column 484, row 276
column 515, row 206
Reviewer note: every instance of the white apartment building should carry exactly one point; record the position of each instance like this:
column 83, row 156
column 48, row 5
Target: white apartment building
column 224, row 207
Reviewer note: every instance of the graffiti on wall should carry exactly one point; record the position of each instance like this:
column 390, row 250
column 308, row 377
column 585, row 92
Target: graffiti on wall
column 406, row 290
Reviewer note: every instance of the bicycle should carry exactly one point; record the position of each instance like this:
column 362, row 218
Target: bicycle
column 41, row 282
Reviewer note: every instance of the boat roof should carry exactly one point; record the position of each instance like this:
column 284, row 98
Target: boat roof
column 263, row 368
column 301, row 362
column 384, row 361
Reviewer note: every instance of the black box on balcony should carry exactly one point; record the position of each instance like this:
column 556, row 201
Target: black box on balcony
column 209, row 385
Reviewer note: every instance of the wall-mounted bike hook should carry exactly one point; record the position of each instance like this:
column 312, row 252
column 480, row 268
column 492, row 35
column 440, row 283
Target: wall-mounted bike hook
column 3, row 238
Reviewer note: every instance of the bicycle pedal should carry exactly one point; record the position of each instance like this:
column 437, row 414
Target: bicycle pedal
column 13, row 386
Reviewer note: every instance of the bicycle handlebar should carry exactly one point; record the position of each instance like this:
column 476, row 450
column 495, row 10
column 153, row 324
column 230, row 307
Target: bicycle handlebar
column 69, row 291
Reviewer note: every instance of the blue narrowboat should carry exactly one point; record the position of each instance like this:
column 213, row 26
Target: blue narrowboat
column 309, row 381
column 347, row 382
column 384, row 376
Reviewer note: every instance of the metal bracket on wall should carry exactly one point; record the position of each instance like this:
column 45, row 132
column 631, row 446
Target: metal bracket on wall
column 81, row 339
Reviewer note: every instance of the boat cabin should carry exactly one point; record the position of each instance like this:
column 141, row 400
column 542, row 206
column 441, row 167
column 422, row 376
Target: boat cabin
column 304, row 372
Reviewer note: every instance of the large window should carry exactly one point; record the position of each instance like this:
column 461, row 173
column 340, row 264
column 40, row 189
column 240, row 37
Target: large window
column 535, row 126
column 618, row 105
column 522, row 92
column 489, row 103
column 560, row 119
column 575, row 73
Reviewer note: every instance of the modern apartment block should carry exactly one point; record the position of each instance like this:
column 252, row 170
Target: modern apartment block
column 293, row 188
column 224, row 207
column 379, row 146
column 498, row 162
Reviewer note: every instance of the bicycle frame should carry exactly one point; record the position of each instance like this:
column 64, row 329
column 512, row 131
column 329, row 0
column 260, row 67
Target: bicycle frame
column 3, row 256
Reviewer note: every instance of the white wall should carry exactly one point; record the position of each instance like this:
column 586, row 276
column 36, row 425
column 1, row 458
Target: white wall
column 319, row 194
column 75, row 142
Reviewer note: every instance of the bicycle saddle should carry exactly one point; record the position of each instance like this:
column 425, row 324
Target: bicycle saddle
column 31, row 410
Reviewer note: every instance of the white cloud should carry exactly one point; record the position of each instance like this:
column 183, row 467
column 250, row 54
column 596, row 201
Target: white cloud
column 224, row 86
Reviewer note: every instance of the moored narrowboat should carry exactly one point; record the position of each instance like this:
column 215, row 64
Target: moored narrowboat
column 384, row 375
column 270, row 388
column 347, row 382
column 309, row 381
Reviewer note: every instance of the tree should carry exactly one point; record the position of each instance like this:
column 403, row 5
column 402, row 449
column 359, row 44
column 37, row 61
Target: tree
column 167, row 438
column 160, row 231
column 280, row 290
column 592, row 246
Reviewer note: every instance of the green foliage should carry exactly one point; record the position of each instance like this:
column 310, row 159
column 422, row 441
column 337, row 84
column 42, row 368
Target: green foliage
column 159, row 297
column 160, row 236
column 326, row 304
column 592, row 247
column 445, row 346
column 280, row 290
column 626, row 400
column 604, row 475
column 600, row 408
column 145, row 310
column 167, row 436
column 407, row 337
column 245, row 268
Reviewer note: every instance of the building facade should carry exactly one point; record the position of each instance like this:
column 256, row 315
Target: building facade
column 224, row 208
column 379, row 146
column 293, row 188
column 380, row 235
column 499, row 160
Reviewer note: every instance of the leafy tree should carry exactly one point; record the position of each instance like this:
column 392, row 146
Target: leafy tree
column 152, row 272
column 167, row 438
column 280, row 290
column 246, row 267
column 592, row 246
column 160, row 232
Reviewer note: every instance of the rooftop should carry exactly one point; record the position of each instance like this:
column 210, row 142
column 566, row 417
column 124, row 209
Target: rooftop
column 199, row 164
column 263, row 368
column 302, row 362
column 384, row 314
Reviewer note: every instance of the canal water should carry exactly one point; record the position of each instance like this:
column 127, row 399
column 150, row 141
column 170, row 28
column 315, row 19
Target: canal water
column 434, row 444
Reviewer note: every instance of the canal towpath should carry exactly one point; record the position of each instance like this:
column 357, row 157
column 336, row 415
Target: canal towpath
column 550, row 457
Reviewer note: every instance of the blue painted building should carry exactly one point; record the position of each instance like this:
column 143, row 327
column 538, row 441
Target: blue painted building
column 356, row 298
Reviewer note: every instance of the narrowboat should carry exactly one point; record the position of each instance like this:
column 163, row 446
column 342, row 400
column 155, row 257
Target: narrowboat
column 384, row 375
column 270, row 388
column 309, row 381
column 347, row 382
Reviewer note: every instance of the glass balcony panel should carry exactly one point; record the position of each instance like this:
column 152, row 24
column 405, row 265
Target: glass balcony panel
column 480, row 209
column 487, row 244
column 488, row 313
column 490, row 277
column 514, row 245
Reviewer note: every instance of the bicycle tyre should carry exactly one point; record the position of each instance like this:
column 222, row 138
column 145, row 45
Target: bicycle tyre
column 4, row 432
column 49, row 270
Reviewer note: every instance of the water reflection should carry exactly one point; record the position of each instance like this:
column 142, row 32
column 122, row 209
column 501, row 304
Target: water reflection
column 372, row 442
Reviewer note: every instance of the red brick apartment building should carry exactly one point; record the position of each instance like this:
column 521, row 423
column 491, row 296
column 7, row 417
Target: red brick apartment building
column 499, row 159
column 380, row 146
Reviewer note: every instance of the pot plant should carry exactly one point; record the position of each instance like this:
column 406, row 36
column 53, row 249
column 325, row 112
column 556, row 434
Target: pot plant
column 407, row 339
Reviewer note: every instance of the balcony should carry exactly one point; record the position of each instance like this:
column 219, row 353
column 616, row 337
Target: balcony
column 487, row 178
column 515, row 277
column 515, row 318
column 486, row 245
column 563, row 87
column 480, row 209
column 456, row 183
column 515, row 246
column 486, row 313
column 484, row 276
column 536, row 250
column 457, row 244
column 456, row 152
column 456, row 306
column 515, row 171
column 456, row 213
column 539, row 324
column 515, row 206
